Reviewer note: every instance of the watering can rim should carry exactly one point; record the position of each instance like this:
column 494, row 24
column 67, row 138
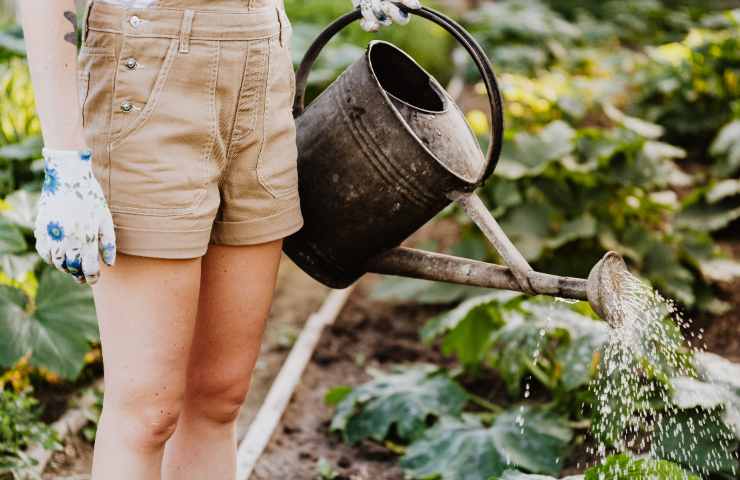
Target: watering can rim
column 464, row 39
column 446, row 100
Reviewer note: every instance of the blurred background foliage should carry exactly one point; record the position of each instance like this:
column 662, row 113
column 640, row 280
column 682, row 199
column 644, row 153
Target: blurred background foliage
column 622, row 132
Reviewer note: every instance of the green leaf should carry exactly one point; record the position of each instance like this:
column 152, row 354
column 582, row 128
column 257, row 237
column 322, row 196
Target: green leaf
column 57, row 331
column 12, row 44
column 468, row 327
column 404, row 398
column 516, row 475
column 548, row 333
column 637, row 125
column 623, row 467
column 30, row 147
column 727, row 147
column 11, row 238
column 421, row 291
column 718, row 386
column 18, row 266
column 465, row 448
column 697, row 439
column 23, row 206
column 711, row 208
column 584, row 226
column 530, row 154
column 335, row 395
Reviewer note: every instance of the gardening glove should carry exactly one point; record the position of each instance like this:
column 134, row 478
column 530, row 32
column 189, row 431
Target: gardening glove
column 377, row 13
column 73, row 219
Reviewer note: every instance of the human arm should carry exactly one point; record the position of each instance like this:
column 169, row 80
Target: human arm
column 377, row 13
column 73, row 219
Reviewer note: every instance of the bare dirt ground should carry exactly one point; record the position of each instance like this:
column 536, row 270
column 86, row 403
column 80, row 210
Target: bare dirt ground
column 296, row 297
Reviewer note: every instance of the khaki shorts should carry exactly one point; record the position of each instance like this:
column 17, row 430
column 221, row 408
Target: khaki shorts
column 187, row 109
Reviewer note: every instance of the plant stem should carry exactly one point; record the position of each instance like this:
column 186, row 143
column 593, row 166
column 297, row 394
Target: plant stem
column 482, row 402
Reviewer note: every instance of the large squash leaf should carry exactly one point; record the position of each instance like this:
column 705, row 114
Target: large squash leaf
column 465, row 448
column 718, row 386
column 11, row 238
column 697, row 439
column 23, row 207
column 404, row 398
column 623, row 467
column 516, row 475
column 468, row 328
column 56, row 328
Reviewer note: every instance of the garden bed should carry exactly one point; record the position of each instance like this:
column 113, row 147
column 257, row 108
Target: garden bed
column 376, row 334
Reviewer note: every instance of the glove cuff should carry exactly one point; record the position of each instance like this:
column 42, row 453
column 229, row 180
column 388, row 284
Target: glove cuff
column 73, row 163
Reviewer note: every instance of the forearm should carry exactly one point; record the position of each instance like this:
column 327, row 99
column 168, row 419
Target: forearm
column 50, row 31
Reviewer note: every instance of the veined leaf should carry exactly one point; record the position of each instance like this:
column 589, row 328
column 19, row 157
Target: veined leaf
column 11, row 238
column 468, row 327
column 57, row 331
column 404, row 398
column 622, row 467
column 23, row 206
column 718, row 387
column 466, row 448
column 698, row 439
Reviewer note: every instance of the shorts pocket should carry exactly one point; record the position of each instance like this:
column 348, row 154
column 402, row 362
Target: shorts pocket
column 160, row 154
column 277, row 163
column 142, row 72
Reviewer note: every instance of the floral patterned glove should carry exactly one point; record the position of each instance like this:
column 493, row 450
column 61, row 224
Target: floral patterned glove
column 377, row 13
column 73, row 220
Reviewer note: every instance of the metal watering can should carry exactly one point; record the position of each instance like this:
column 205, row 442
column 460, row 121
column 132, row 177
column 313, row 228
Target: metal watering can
column 383, row 150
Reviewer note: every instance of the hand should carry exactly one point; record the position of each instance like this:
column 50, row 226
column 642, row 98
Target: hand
column 73, row 220
column 377, row 13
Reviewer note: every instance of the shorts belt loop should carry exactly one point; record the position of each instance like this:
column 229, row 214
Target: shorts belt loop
column 185, row 29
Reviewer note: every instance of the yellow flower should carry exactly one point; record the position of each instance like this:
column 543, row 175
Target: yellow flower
column 478, row 121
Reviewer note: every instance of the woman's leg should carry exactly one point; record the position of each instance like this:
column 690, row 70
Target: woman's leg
column 146, row 310
column 237, row 285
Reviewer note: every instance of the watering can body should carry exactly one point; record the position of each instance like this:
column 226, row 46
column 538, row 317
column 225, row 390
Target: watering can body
column 383, row 150
column 371, row 168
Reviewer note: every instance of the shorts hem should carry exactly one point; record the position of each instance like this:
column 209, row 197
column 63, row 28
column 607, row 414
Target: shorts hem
column 251, row 232
column 162, row 244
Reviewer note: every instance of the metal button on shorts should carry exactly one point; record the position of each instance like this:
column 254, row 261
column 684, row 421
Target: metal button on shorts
column 187, row 109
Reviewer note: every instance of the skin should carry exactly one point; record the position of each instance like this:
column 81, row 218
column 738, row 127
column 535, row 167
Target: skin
column 179, row 337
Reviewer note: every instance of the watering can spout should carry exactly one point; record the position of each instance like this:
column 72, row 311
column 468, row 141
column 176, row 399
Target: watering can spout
column 601, row 289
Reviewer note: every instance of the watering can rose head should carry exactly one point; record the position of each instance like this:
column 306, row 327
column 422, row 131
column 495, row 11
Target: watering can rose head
column 377, row 13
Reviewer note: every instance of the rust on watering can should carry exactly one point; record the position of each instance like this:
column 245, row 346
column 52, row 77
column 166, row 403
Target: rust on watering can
column 383, row 150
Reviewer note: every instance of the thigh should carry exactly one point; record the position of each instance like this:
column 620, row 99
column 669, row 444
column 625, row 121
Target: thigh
column 237, row 285
column 146, row 309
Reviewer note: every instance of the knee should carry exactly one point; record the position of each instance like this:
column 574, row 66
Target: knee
column 144, row 425
column 217, row 399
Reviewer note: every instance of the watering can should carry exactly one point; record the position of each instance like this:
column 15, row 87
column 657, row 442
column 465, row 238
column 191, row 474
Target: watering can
column 383, row 150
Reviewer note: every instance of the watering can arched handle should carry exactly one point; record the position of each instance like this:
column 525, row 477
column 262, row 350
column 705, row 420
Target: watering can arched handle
column 463, row 37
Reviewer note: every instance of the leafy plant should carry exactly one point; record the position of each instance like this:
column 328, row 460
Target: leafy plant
column 468, row 448
column 519, row 337
column 56, row 326
column 404, row 399
column 19, row 427
column 623, row 467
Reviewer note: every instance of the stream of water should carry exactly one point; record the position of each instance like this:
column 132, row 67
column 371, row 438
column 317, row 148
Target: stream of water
column 634, row 409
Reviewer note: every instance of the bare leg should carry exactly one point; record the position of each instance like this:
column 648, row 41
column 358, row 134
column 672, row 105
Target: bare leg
column 236, row 293
column 146, row 309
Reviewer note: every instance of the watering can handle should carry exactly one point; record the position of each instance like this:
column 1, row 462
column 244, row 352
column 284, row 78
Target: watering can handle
column 463, row 38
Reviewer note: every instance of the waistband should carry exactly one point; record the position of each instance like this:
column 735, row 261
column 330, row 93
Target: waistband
column 204, row 20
